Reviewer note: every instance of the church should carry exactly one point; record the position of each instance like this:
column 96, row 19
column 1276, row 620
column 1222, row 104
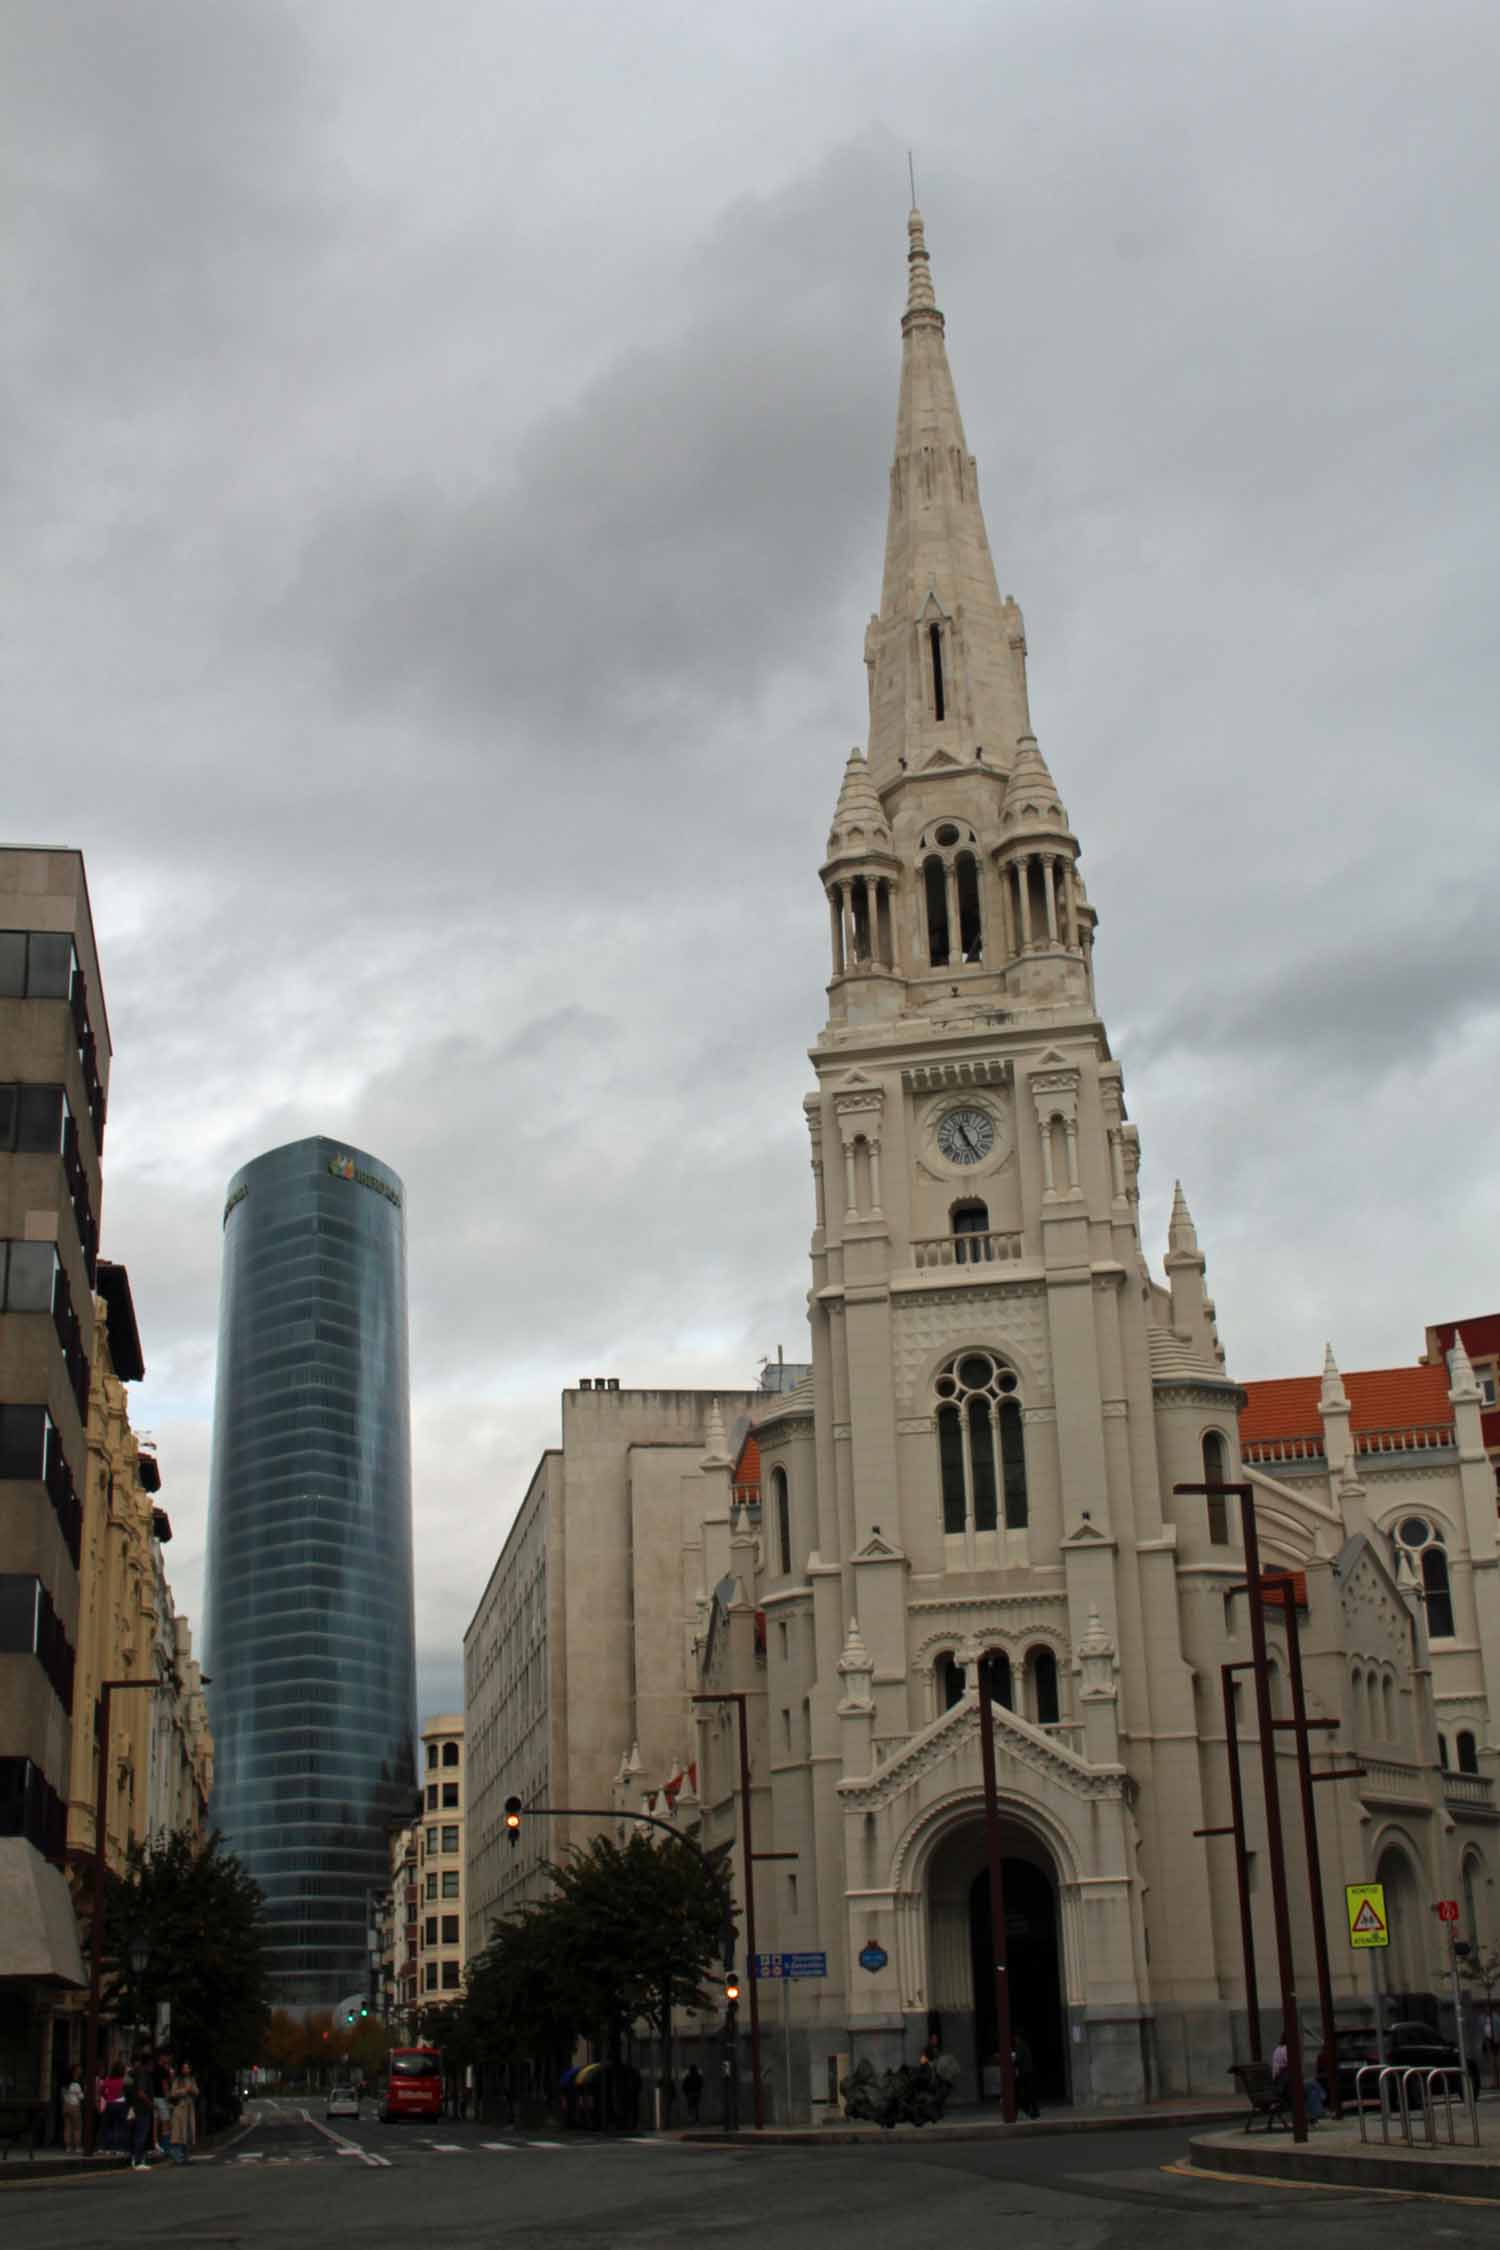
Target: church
column 980, row 1470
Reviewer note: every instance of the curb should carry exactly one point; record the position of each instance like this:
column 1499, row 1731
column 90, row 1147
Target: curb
column 60, row 2168
column 907, row 2136
column 1444, row 2174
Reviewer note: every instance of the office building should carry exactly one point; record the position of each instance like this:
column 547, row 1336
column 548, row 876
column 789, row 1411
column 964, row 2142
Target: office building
column 310, row 1638
column 54, row 1079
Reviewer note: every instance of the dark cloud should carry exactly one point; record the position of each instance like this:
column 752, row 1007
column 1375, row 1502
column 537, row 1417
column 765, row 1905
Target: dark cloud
column 446, row 470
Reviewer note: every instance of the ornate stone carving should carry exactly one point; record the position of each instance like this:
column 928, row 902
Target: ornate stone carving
column 1021, row 1751
column 928, row 1323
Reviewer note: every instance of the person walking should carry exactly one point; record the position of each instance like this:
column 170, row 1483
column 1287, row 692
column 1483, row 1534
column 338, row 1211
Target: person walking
column 161, row 2102
column 692, row 2091
column 72, row 2115
column 184, row 2112
column 112, row 2125
column 139, row 2109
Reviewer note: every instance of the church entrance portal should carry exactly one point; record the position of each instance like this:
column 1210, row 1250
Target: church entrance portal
column 1032, row 1968
column 963, row 1963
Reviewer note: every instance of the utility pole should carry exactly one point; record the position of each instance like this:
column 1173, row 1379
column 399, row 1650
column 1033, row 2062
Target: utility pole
column 1291, row 2030
column 1236, row 1829
column 997, row 1896
column 741, row 1701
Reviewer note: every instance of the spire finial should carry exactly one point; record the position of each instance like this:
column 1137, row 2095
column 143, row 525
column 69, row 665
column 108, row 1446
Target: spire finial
column 1181, row 1233
column 1461, row 1382
column 920, row 295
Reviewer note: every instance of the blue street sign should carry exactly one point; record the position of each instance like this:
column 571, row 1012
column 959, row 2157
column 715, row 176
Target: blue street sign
column 873, row 1958
column 772, row 1965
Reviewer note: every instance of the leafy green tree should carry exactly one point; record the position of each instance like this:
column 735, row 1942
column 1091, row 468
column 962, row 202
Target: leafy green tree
column 201, row 1919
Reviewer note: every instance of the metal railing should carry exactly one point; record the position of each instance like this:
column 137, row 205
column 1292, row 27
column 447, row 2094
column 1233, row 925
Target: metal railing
column 1394, row 2080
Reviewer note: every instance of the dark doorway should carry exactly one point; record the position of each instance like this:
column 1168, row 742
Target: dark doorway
column 1033, row 1967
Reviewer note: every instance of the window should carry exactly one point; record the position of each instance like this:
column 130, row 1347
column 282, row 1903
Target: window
column 450, row 1839
column 430, row 1841
column 1468, row 1752
column 970, row 925
column 939, row 701
column 783, row 1507
column 36, row 965
column 1214, row 1473
column 432, row 1750
column 981, row 1448
column 452, row 1972
column 26, row 1276
column 431, row 1890
column 971, row 1234
column 450, row 1753
column 1484, row 1376
column 30, row 1626
column 430, row 1930
column 450, row 1929
column 936, row 892
column 429, row 1977
column 31, row 1120
column 1443, row 1752
column 450, row 1793
column 432, row 1796
column 450, row 1882
column 995, row 1665
column 1044, row 1686
column 950, row 1680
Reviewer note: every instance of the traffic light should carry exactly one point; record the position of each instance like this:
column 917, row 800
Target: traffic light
column 364, row 2007
column 513, row 1819
column 349, row 2018
column 731, row 1988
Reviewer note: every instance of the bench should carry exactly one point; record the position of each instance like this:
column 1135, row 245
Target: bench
column 1266, row 2098
column 22, row 2121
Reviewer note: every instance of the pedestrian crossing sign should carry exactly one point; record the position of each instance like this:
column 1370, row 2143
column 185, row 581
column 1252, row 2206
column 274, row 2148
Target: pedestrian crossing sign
column 1367, row 1917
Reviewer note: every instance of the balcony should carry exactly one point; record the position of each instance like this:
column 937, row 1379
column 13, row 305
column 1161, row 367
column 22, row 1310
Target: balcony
column 966, row 1250
column 1468, row 1789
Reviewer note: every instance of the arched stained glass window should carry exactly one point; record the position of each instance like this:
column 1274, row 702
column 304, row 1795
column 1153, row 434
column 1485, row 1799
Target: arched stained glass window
column 981, row 1445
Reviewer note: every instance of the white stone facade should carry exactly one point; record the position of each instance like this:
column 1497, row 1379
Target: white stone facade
column 982, row 1465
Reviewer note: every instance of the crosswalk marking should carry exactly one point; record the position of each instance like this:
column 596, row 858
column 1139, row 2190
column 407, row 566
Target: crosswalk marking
column 503, row 2148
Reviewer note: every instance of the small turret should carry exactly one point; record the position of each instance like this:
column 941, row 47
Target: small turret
column 860, row 875
column 1048, row 918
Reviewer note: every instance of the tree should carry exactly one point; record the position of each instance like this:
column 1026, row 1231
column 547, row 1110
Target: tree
column 201, row 1919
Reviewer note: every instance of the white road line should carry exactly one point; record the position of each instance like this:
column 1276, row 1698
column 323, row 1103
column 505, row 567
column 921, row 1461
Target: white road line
column 447, row 2148
column 504, row 2148
column 544, row 2144
column 366, row 2156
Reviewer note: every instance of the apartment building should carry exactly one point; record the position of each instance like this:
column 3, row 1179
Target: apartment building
column 440, row 1948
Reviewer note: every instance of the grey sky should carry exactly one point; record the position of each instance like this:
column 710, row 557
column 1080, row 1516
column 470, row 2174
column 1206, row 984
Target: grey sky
column 444, row 481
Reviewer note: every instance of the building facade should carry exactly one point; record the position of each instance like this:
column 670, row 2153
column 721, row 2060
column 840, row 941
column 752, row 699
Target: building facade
column 581, row 1647
column 441, row 1863
column 310, row 1619
column 983, row 1468
column 54, row 1079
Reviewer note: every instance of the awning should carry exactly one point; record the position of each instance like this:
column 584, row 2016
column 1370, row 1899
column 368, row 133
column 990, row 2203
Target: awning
column 589, row 2072
column 38, row 1928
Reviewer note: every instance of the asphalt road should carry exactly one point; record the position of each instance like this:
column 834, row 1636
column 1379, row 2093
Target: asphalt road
column 291, row 2181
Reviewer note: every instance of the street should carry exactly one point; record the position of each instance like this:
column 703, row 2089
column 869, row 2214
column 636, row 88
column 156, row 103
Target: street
column 290, row 2182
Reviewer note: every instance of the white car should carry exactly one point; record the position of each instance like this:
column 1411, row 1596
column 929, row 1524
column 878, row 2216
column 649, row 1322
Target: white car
column 343, row 2101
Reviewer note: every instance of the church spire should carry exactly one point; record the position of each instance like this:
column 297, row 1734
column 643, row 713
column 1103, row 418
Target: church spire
column 946, row 655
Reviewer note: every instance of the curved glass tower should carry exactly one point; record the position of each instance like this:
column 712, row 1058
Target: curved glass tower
column 310, row 1640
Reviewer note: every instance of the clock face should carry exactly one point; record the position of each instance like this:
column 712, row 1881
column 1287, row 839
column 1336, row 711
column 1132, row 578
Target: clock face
column 966, row 1136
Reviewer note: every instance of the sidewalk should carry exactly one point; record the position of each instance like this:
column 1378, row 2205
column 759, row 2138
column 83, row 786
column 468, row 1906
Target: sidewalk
column 1335, row 2156
column 976, row 2124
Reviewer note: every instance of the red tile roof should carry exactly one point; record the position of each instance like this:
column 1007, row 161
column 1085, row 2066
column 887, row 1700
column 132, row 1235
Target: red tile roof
column 746, row 1477
column 1380, row 1398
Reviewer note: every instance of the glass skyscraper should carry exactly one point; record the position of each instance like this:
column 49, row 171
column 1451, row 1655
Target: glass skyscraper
column 310, row 1635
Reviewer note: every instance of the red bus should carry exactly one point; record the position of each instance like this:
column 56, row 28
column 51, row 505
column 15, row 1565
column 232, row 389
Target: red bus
column 413, row 2085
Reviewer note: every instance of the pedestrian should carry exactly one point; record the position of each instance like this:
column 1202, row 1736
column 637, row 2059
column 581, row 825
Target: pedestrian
column 161, row 2102
column 692, row 2091
column 139, row 2110
column 1025, row 2075
column 1281, row 2079
column 111, row 2098
column 72, row 2114
column 184, row 2112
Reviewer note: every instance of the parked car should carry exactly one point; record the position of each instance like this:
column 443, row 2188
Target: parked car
column 1408, row 2046
column 343, row 2101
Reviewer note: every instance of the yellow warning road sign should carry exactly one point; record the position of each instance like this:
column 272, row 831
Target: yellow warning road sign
column 1367, row 1922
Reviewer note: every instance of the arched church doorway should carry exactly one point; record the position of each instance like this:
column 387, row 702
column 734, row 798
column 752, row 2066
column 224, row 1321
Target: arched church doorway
column 1033, row 1970
column 962, row 1962
column 1407, row 1980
